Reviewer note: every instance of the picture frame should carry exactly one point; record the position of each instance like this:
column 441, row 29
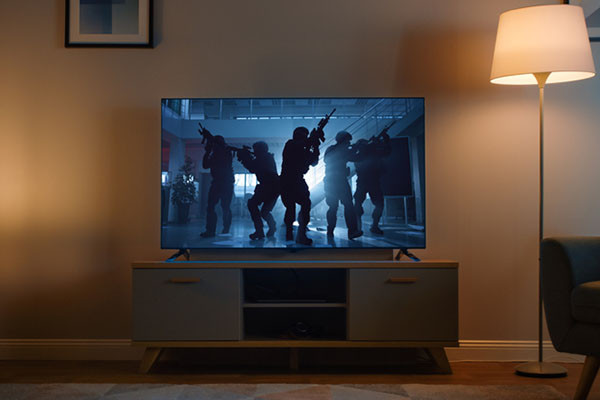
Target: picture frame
column 591, row 10
column 109, row 23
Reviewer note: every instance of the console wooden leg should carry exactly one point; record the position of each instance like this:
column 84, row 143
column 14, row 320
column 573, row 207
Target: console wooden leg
column 590, row 369
column 294, row 364
column 438, row 355
column 150, row 356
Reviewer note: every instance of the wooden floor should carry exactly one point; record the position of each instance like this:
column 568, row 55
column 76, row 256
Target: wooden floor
column 469, row 373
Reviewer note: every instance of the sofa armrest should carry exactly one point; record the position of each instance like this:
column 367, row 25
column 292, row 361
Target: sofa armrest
column 584, row 256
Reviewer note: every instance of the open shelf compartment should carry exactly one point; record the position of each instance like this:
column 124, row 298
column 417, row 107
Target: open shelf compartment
column 295, row 323
column 295, row 286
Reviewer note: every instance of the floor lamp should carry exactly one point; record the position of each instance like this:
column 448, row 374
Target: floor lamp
column 537, row 46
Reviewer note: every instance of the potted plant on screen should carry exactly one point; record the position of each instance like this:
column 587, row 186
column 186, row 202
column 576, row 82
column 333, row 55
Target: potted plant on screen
column 184, row 190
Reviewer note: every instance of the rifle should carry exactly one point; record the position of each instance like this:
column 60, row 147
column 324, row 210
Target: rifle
column 383, row 132
column 206, row 135
column 317, row 136
column 236, row 149
column 243, row 153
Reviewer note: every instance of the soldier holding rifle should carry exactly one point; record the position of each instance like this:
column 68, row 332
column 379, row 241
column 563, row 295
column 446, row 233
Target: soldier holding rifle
column 337, row 188
column 369, row 170
column 217, row 158
column 262, row 164
column 299, row 154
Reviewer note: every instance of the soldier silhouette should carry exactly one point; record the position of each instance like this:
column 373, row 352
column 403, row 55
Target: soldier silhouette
column 262, row 164
column 337, row 189
column 218, row 159
column 369, row 170
column 298, row 156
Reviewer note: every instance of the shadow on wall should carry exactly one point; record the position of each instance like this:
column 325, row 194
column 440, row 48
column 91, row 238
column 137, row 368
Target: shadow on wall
column 70, row 285
column 59, row 17
column 443, row 61
column 159, row 6
column 72, row 279
column 135, row 175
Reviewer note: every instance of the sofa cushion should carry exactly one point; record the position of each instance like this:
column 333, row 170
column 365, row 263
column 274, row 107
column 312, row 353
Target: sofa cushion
column 585, row 302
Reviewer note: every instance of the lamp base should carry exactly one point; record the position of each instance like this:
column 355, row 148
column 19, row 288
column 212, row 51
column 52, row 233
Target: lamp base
column 538, row 369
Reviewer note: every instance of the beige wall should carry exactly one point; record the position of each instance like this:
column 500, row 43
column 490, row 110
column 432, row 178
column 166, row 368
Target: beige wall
column 80, row 144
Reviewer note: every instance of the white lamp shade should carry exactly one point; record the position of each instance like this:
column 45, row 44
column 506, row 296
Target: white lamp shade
column 539, row 39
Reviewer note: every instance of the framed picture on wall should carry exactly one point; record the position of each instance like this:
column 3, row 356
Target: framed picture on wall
column 108, row 23
column 591, row 10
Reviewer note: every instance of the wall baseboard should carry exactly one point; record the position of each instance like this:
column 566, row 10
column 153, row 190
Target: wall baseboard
column 69, row 349
column 507, row 350
column 121, row 349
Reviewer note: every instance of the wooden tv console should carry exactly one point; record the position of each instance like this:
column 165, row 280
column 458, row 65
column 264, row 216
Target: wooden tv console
column 343, row 304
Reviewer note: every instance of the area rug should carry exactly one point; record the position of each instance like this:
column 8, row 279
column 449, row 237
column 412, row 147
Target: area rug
column 73, row 391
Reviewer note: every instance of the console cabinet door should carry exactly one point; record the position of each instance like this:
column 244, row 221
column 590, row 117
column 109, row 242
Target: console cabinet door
column 186, row 304
column 403, row 304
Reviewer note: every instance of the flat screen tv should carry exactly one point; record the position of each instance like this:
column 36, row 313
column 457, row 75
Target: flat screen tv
column 292, row 173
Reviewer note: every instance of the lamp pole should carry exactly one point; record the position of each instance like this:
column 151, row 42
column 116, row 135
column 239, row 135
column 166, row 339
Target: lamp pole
column 541, row 368
column 541, row 79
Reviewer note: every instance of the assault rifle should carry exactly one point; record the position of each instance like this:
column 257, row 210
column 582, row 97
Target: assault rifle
column 206, row 135
column 236, row 149
column 317, row 136
column 243, row 153
column 383, row 133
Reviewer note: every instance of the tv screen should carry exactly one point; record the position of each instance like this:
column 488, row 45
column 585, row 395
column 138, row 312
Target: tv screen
column 293, row 172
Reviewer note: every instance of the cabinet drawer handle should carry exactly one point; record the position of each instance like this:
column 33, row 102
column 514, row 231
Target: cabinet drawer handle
column 185, row 280
column 401, row 280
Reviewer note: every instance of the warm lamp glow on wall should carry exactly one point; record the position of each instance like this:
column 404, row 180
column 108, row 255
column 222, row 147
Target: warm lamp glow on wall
column 535, row 46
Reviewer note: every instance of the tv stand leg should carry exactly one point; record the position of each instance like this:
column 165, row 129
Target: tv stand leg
column 181, row 252
column 438, row 355
column 294, row 364
column 407, row 253
column 151, row 355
